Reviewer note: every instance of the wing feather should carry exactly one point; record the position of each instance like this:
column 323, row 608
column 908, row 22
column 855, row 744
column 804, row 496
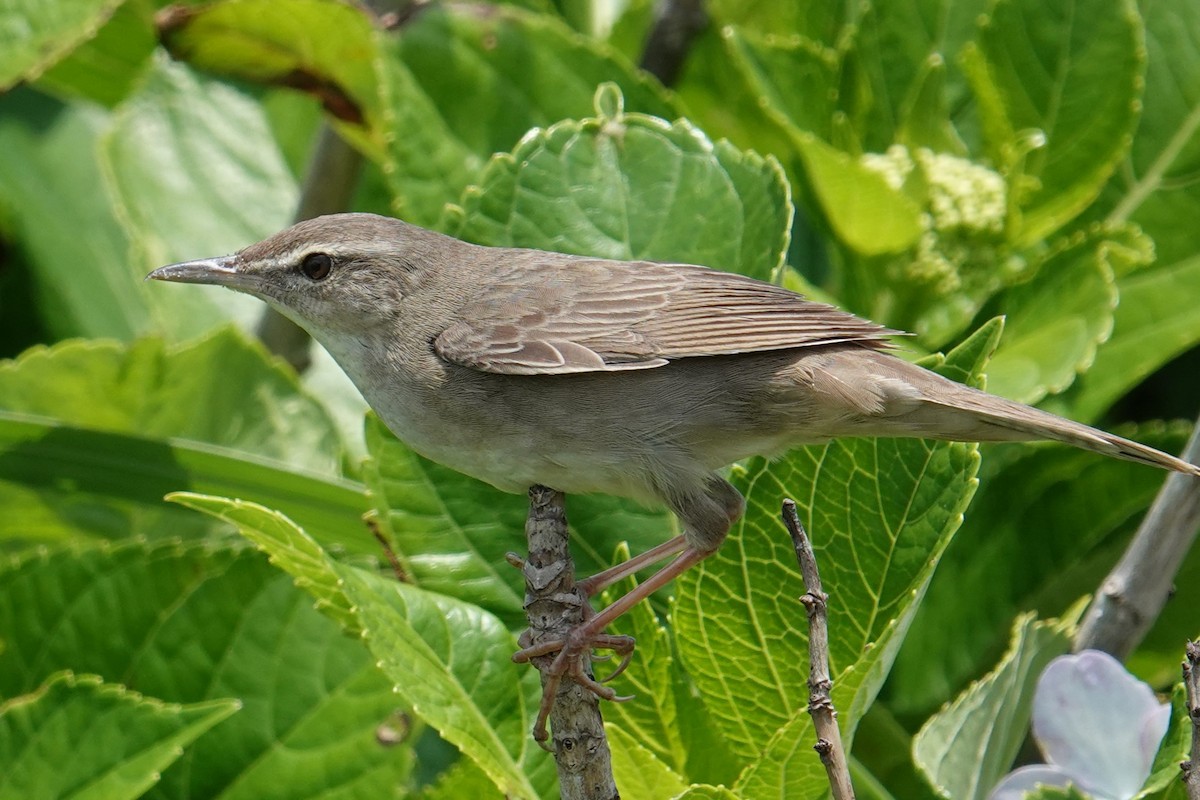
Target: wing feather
column 589, row 315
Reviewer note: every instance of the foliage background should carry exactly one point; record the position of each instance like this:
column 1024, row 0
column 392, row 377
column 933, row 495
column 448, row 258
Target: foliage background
column 935, row 166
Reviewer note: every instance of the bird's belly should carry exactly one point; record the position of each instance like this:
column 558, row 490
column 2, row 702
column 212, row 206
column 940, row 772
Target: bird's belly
column 513, row 455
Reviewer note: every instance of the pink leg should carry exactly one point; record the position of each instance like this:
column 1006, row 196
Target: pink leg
column 573, row 651
column 602, row 580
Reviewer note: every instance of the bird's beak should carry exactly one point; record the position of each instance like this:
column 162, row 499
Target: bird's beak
column 216, row 271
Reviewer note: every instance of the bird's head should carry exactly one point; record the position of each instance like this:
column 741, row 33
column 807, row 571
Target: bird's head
column 333, row 275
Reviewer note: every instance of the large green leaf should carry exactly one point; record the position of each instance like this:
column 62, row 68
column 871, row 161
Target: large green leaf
column 1153, row 186
column 465, row 81
column 629, row 186
column 190, row 624
column 1155, row 321
column 84, row 284
column 106, row 68
column 325, row 47
column 448, row 660
column 1073, row 71
column 638, row 771
column 970, row 744
column 1069, row 502
column 36, row 33
column 903, row 61
column 880, row 512
column 78, row 737
column 59, row 482
column 195, row 172
column 1055, row 321
column 154, row 391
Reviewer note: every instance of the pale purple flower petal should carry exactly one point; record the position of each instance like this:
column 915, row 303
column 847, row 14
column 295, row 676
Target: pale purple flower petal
column 1018, row 782
column 1098, row 723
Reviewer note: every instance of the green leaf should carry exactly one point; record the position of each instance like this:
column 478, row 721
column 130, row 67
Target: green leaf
column 880, row 512
column 228, row 186
column 80, row 737
column 190, row 624
column 1154, row 186
column 630, row 186
column 151, row 390
column 862, row 209
column 95, row 433
column 288, row 547
column 324, row 47
column 106, row 68
column 821, row 22
column 968, row 746
column 1073, row 503
column 450, row 532
column 793, row 77
column 901, row 80
column 1072, row 71
column 466, row 81
column 1175, row 748
column 448, row 660
column 58, row 482
column 1055, row 321
column 637, row 770
column 714, row 91
column 704, row 792
column 462, row 779
column 34, row 35
column 50, row 153
column 790, row 75
column 1156, row 320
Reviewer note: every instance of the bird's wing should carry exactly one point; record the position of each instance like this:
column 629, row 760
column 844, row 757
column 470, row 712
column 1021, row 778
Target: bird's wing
column 589, row 315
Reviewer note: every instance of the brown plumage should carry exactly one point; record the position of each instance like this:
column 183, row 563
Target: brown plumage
column 640, row 379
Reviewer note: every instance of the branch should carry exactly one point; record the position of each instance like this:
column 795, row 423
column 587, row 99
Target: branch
column 329, row 183
column 820, row 705
column 1191, row 682
column 1133, row 594
column 677, row 23
column 554, row 605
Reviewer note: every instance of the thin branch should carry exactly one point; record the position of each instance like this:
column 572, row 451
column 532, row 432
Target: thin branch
column 329, row 184
column 1191, row 682
column 675, row 27
column 820, row 704
column 554, row 605
column 1134, row 593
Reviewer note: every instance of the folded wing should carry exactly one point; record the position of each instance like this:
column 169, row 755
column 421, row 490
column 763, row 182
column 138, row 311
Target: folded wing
column 588, row 315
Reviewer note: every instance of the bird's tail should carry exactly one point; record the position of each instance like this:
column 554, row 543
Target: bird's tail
column 992, row 418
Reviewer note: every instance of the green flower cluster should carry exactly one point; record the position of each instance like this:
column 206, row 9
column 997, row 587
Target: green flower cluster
column 964, row 205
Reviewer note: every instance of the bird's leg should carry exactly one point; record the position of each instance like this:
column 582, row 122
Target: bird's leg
column 597, row 583
column 573, row 650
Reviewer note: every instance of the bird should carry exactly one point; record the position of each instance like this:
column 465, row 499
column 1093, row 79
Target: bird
column 639, row 379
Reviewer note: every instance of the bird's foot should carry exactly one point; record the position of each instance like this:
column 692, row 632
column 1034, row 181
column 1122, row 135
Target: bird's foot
column 574, row 661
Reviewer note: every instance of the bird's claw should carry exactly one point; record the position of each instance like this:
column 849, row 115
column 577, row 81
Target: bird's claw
column 573, row 660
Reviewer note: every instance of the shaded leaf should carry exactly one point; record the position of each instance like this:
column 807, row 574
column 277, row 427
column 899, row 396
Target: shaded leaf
column 448, row 660
column 970, row 744
column 34, row 36
column 1072, row 71
column 629, row 186
column 465, row 81
column 191, row 624
column 77, row 736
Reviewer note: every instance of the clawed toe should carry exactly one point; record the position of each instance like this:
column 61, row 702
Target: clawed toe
column 573, row 660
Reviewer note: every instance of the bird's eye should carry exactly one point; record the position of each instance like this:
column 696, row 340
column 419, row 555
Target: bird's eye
column 316, row 266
